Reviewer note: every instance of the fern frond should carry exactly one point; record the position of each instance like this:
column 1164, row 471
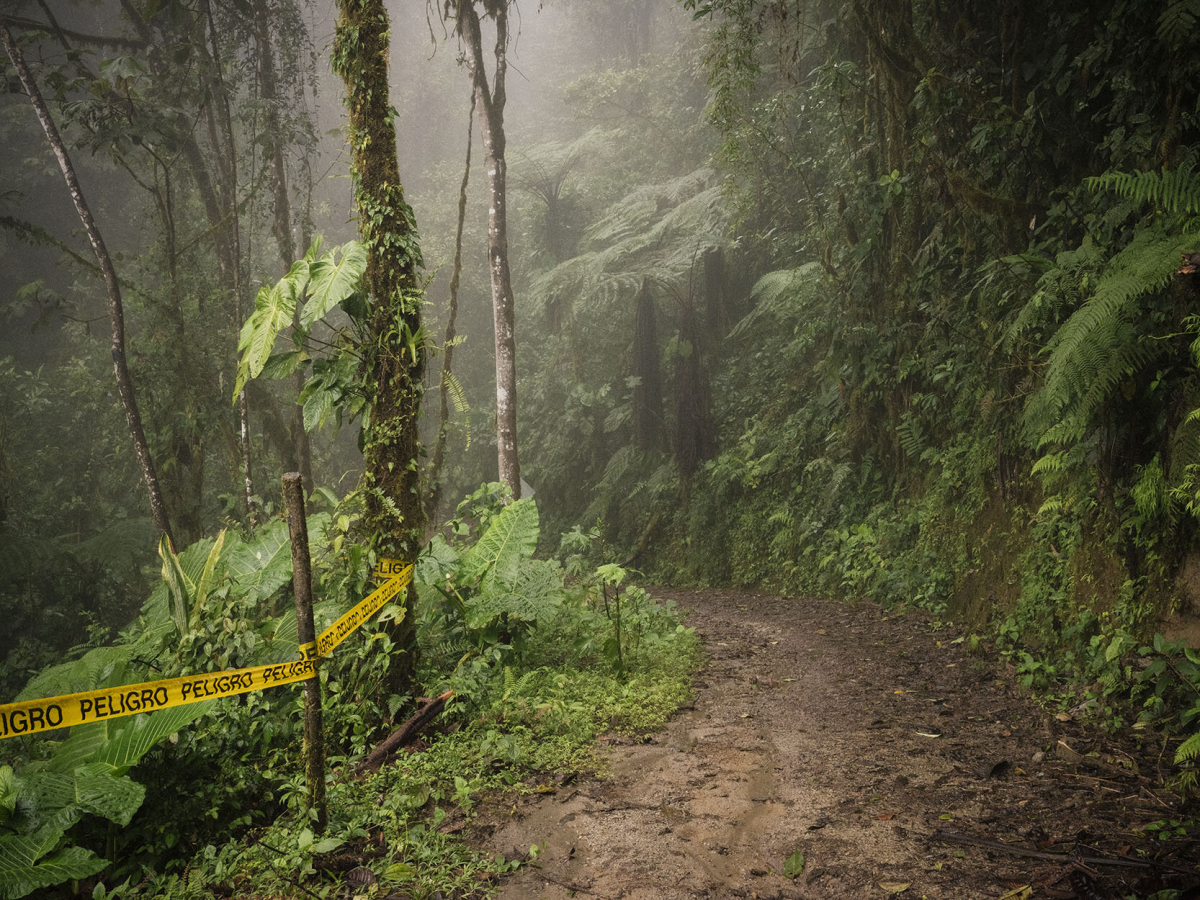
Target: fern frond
column 1188, row 750
column 1174, row 192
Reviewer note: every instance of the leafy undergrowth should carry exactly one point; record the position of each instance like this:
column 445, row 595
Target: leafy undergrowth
column 401, row 825
column 209, row 800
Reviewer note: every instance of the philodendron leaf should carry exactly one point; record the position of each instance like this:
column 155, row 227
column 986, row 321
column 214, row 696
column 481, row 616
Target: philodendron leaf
column 510, row 540
column 130, row 739
column 331, row 280
column 274, row 307
column 98, row 790
column 21, row 873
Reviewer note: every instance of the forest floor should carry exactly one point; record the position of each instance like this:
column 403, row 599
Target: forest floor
column 858, row 737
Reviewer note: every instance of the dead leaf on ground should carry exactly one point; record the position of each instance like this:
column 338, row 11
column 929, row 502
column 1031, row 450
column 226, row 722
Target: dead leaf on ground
column 1021, row 893
column 894, row 887
column 1066, row 754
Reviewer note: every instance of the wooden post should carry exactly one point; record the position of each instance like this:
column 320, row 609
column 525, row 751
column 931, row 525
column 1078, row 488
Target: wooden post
column 314, row 736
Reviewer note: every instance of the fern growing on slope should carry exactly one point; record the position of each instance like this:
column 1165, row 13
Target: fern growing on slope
column 1103, row 342
column 1112, row 335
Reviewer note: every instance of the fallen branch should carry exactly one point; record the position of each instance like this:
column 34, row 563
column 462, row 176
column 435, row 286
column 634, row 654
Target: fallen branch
column 404, row 734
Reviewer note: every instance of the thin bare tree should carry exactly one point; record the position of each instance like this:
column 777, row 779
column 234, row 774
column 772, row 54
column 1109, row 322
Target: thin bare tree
column 490, row 99
column 116, row 312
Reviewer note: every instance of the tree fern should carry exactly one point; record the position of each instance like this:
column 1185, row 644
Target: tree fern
column 508, row 543
column 1103, row 342
column 1174, row 191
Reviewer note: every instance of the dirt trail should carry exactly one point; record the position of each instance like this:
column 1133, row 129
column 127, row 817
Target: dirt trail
column 851, row 735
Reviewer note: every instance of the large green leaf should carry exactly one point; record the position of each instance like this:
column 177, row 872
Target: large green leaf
column 8, row 792
column 317, row 406
column 46, row 800
column 84, row 743
column 180, row 586
column 21, row 874
column 534, row 594
column 261, row 567
column 129, row 739
column 332, row 281
column 510, row 541
column 99, row 667
column 100, row 791
column 274, row 307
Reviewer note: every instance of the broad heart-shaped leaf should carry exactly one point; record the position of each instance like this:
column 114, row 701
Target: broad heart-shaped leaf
column 274, row 307
column 317, row 407
column 129, row 739
column 281, row 365
column 101, row 667
column 332, row 282
column 98, row 790
column 511, row 539
column 45, row 800
column 20, row 872
column 85, row 741
column 437, row 561
column 261, row 567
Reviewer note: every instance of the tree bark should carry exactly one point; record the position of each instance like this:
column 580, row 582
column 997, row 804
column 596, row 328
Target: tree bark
column 112, row 287
column 491, row 102
column 306, row 634
column 393, row 356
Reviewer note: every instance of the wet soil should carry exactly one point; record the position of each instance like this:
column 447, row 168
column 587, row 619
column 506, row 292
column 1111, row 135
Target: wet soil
column 872, row 743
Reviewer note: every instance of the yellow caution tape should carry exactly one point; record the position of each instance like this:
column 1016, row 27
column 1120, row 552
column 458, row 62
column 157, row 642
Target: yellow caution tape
column 33, row 716
column 346, row 625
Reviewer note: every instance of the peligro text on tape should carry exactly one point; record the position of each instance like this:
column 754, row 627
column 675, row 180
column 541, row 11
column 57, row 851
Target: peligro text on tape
column 33, row 716
column 385, row 570
column 389, row 568
column 343, row 627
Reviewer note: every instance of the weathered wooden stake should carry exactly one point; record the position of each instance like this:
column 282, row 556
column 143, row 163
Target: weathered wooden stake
column 314, row 735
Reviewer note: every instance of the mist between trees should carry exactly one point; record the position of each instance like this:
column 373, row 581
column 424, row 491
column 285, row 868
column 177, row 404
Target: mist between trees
column 867, row 298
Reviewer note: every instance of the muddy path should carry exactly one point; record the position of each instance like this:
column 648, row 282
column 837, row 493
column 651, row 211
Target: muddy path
column 853, row 736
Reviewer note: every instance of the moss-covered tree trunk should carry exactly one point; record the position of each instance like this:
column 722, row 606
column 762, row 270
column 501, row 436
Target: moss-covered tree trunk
column 393, row 358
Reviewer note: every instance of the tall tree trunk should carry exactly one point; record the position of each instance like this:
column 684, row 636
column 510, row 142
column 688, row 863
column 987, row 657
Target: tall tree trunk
column 491, row 106
column 226, row 166
column 439, row 450
column 281, row 226
column 115, row 309
column 393, row 358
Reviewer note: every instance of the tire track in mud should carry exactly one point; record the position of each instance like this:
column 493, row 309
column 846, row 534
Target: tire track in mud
column 839, row 730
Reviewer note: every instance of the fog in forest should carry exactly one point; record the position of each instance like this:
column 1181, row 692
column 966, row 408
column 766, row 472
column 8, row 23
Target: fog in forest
column 585, row 125
column 777, row 305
